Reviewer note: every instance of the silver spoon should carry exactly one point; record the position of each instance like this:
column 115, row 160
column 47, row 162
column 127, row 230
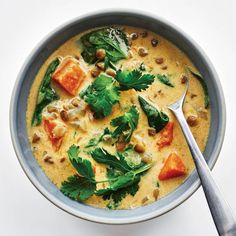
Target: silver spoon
column 220, row 210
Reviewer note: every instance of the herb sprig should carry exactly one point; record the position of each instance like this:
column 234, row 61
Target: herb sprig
column 81, row 187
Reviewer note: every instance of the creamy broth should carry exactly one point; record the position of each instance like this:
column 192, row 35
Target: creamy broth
column 59, row 168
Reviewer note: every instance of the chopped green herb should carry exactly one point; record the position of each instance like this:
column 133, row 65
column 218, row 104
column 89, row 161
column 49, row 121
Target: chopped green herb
column 157, row 120
column 101, row 95
column 102, row 156
column 165, row 80
column 125, row 124
column 46, row 93
column 203, row 84
column 134, row 80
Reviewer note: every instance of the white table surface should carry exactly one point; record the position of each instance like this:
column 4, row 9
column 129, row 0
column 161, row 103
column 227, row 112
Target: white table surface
column 23, row 210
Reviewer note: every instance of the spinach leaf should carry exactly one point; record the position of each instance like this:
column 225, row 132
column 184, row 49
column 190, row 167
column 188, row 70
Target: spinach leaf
column 203, row 84
column 125, row 124
column 165, row 80
column 113, row 40
column 157, row 120
column 46, row 94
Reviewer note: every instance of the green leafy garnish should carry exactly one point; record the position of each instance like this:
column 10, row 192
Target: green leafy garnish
column 83, row 167
column 157, row 120
column 79, row 187
column 101, row 95
column 102, row 156
column 112, row 40
column 134, row 80
column 122, row 179
column 46, row 93
column 128, row 179
column 125, row 124
column 95, row 141
column 165, row 80
column 203, row 84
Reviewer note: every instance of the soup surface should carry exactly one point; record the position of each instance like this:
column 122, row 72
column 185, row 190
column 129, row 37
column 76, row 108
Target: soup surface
column 98, row 121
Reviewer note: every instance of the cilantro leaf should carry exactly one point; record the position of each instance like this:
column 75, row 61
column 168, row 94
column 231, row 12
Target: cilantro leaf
column 78, row 188
column 95, row 141
column 134, row 80
column 101, row 95
column 157, row 120
column 112, row 40
column 125, row 124
column 46, row 93
column 102, row 156
column 123, row 181
column 83, row 167
column 203, row 84
column 165, row 80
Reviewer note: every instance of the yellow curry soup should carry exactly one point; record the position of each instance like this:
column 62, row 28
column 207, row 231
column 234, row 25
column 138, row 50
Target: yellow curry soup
column 102, row 97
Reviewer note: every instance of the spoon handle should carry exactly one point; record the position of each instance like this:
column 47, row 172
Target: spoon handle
column 220, row 210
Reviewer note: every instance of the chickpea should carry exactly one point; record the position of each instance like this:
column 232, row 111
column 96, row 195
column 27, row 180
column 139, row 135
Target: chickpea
column 75, row 102
column 95, row 72
column 111, row 72
column 164, row 67
column 35, row 138
column 139, row 147
column 192, row 120
column 159, row 60
column 64, row 115
column 100, row 65
column 134, row 36
column 100, row 54
column 155, row 193
column 51, row 109
column 142, row 52
column 154, row 42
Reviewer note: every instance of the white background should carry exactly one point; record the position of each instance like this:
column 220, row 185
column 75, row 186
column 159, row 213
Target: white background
column 23, row 23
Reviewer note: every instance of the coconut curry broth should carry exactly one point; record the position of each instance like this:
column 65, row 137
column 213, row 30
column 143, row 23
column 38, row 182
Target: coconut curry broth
column 172, row 62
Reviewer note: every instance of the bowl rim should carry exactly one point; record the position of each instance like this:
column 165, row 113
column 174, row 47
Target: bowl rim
column 52, row 198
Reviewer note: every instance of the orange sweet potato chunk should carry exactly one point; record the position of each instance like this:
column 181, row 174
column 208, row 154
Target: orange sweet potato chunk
column 69, row 75
column 49, row 125
column 173, row 167
column 166, row 137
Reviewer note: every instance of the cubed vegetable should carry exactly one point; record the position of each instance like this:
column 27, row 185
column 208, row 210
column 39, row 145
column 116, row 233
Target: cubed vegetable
column 173, row 167
column 56, row 140
column 166, row 136
column 69, row 75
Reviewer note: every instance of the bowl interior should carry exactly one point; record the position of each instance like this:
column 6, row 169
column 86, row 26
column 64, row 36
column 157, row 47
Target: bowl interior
column 25, row 80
